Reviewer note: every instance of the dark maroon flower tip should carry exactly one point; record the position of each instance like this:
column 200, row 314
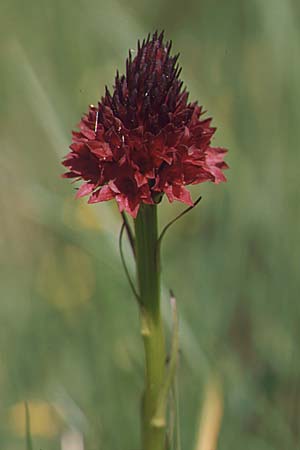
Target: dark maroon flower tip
column 144, row 139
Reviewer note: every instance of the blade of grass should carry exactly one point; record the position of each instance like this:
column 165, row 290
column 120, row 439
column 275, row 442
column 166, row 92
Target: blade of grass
column 158, row 419
column 29, row 445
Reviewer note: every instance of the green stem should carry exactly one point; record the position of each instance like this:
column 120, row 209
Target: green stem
column 148, row 273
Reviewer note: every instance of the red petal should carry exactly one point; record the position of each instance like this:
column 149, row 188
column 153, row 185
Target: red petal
column 85, row 189
column 101, row 149
column 76, row 146
column 103, row 195
column 217, row 173
column 140, row 179
column 177, row 192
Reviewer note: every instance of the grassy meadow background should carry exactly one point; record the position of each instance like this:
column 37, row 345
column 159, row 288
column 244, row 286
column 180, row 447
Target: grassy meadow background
column 69, row 331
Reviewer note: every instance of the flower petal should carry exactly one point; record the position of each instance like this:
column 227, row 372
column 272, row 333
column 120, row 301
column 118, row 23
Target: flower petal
column 85, row 189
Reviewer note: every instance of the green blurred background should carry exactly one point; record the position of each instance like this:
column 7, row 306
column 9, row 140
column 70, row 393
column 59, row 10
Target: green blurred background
column 69, row 331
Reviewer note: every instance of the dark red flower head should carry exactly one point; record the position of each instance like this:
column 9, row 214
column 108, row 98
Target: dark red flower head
column 144, row 139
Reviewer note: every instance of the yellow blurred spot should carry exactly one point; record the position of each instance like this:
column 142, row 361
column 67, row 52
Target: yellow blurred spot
column 122, row 355
column 80, row 215
column 211, row 417
column 86, row 216
column 43, row 421
column 66, row 278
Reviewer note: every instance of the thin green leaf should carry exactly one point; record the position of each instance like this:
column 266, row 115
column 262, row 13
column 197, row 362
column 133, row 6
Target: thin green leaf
column 124, row 263
column 129, row 233
column 165, row 229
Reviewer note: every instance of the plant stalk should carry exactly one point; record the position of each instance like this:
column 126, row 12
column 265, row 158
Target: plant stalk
column 148, row 274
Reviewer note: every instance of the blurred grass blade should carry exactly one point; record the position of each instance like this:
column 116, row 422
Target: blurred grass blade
column 158, row 419
column 29, row 445
column 211, row 416
column 177, row 414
